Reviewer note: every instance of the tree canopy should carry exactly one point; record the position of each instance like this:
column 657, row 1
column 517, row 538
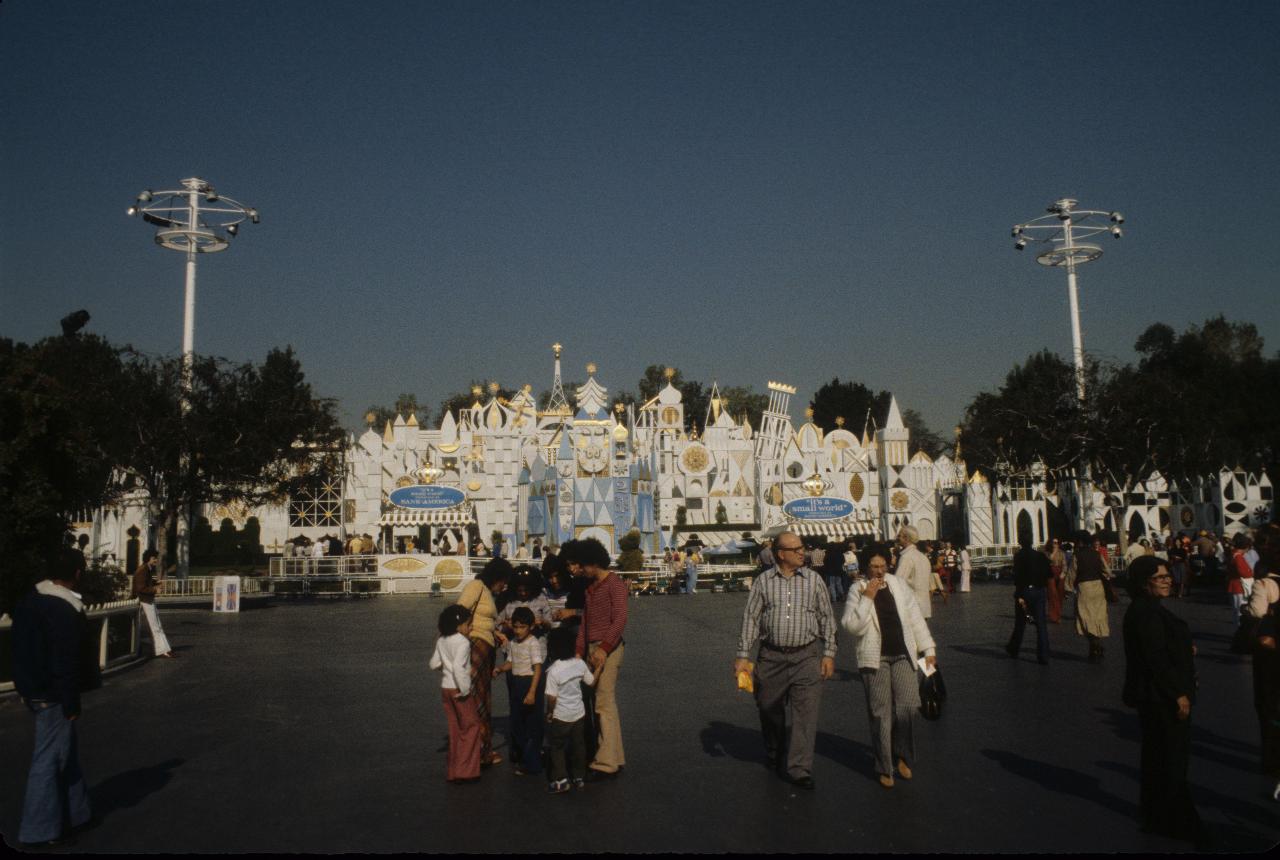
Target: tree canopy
column 1193, row 403
column 406, row 405
column 85, row 421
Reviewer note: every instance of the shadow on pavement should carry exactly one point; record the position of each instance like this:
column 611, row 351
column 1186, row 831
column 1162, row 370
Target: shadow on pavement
column 1204, row 743
column 853, row 755
column 1061, row 780
column 130, row 788
column 1233, row 837
column 725, row 739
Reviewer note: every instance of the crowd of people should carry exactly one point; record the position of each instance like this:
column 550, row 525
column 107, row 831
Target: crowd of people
column 556, row 631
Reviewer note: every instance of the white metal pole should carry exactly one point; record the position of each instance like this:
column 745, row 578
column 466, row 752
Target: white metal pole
column 1085, row 482
column 183, row 531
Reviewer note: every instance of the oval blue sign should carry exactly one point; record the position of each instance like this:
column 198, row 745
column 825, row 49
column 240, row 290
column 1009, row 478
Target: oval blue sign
column 427, row 496
column 819, row 508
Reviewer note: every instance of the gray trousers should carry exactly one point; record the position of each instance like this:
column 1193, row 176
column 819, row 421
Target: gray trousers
column 892, row 697
column 790, row 679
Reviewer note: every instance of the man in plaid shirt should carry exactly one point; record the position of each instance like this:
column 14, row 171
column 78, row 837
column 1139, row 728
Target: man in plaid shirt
column 789, row 614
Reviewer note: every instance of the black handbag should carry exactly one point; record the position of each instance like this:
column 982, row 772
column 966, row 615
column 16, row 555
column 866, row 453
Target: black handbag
column 933, row 692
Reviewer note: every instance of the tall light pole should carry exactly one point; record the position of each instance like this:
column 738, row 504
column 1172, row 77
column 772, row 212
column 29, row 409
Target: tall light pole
column 194, row 219
column 1065, row 230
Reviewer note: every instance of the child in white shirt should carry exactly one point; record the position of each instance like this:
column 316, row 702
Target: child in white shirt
column 566, row 712
column 453, row 658
column 525, row 655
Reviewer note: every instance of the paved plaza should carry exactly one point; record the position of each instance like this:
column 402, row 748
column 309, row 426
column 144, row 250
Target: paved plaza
column 314, row 726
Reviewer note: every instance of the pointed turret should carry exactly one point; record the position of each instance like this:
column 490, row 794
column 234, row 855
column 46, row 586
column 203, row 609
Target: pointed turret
column 894, row 422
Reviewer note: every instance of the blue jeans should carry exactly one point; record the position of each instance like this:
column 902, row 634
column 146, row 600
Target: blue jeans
column 836, row 587
column 526, row 723
column 55, row 786
column 1035, row 598
column 690, row 578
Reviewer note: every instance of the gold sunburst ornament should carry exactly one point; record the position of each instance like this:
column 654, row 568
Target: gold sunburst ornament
column 814, row 485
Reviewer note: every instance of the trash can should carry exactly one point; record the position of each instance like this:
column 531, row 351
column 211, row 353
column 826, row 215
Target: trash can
column 226, row 594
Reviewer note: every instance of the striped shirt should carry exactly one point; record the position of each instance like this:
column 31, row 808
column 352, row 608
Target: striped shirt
column 604, row 617
column 788, row 612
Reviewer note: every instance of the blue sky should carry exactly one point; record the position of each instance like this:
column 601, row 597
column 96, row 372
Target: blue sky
column 748, row 191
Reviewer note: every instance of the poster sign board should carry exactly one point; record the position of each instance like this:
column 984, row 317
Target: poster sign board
column 427, row 497
column 818, row 508
column 226, row 594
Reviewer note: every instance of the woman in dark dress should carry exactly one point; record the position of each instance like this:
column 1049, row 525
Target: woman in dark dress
column 1159, row 681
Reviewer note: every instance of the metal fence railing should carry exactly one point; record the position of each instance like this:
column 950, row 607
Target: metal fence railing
column 115, row 625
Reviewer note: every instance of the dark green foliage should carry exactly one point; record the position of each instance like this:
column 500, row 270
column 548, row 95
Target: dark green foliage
column 1194, row 403
column 853, row 402
column 82, row 421
column 632, row 557
column 406, row 405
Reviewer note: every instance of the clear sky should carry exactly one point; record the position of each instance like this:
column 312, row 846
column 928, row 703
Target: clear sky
column 748, row 191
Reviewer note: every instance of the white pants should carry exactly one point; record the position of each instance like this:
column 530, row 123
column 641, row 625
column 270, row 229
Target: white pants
column 157, row 632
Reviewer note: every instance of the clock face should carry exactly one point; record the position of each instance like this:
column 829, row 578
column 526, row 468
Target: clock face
column 670, row 415
column 695, row 459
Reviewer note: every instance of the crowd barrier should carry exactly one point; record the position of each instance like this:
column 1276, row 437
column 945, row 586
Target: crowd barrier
column 115, row 625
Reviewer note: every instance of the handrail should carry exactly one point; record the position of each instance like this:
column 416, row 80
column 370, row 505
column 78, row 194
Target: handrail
column 115, row 623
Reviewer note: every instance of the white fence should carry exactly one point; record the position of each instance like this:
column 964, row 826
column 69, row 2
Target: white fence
column 114, row 624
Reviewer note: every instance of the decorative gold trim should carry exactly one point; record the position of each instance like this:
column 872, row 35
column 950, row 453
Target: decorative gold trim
column 404, row 565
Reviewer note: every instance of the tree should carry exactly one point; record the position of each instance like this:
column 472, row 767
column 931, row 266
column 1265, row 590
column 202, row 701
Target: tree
column 1035, row 414
column 406, row 405
column 1210, row 396
column 922, row 438
column 461, row 400
column 740, row 400
column 570, row 393
column 852, row 401
column 243, row 433
column 60, row 434
column 655, row 379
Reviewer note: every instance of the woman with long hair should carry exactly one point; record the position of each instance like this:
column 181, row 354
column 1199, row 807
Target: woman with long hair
column 479, row 599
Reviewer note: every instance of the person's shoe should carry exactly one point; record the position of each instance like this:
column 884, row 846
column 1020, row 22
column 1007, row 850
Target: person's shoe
column 594, row 775
column 805, row 782
column 169, row 654
column 903, row 770
column 580, row 784
column 559, row 786
column 494, row 758
column 49, row 845
column 519, row 771
column 886, row 780
column 1275, row 794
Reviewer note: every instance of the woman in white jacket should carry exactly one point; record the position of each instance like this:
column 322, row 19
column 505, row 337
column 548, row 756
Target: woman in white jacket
column 884, row 616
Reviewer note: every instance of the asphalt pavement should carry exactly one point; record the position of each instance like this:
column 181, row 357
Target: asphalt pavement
column 315, row 726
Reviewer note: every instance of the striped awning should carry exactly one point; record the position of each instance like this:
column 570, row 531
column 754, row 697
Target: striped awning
column 834, row 528
column 422, row 517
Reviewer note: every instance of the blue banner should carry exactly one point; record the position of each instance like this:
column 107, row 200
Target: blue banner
column 819, row 508
column 427, row 496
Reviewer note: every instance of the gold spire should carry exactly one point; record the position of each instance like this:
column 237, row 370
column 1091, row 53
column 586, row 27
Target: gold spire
column 493, row 387
column 555, row 347
column 591, row 367
column 669, row 373
column 369, row 418
column 808, row 413
column 839, row 420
